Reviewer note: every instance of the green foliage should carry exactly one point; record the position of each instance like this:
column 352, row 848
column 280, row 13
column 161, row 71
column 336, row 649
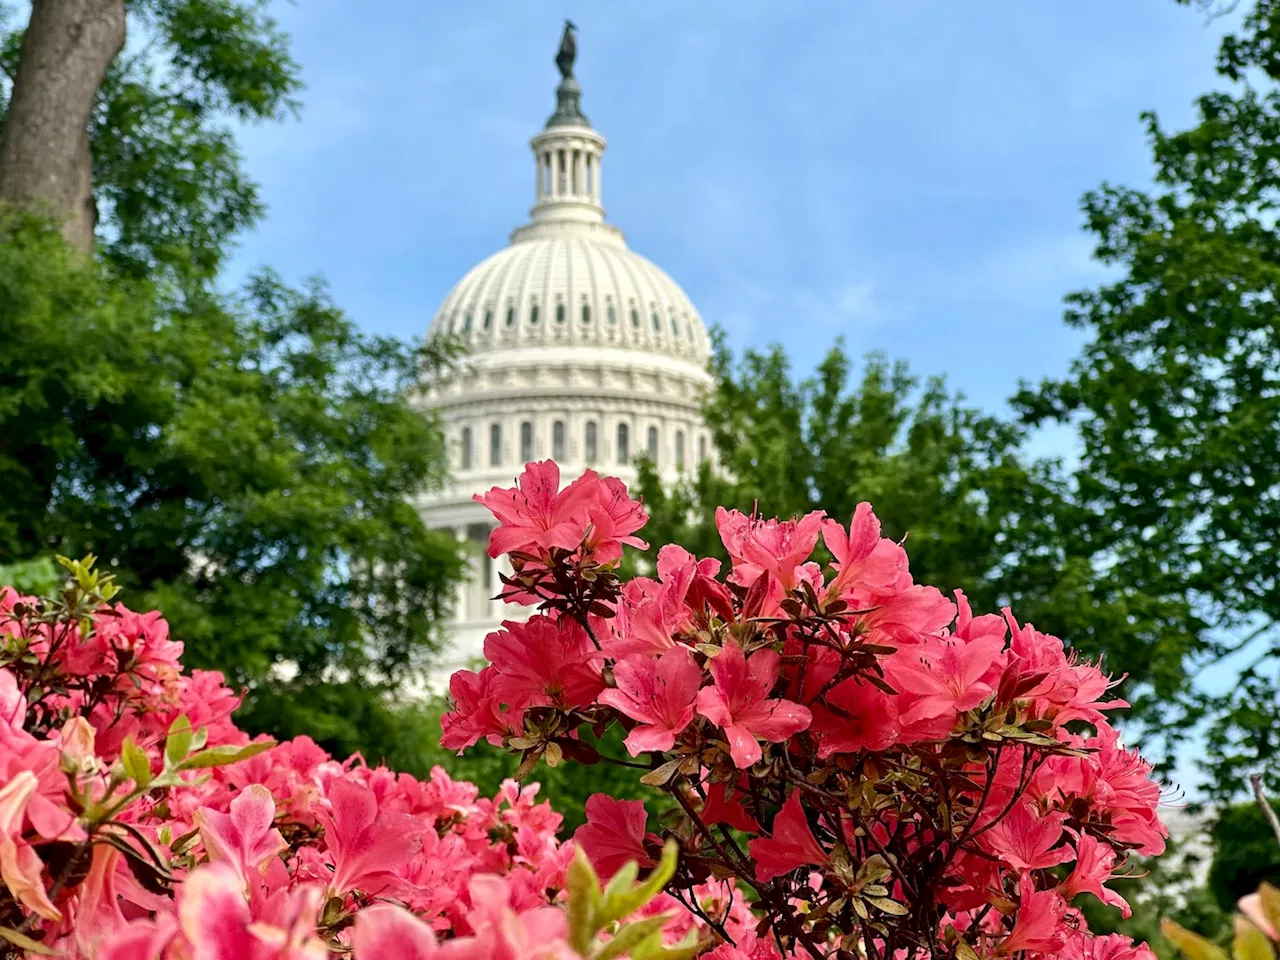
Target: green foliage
column 976, row 513
column 246, row 465
column 1160, row 890
column 36, row 577
column 1245, row 854
column 1176, row 396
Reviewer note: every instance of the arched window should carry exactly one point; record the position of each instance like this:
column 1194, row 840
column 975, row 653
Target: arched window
column 635, row 317
column 592, row 445
column 511, row 316
column 675, row 326
column 495, row 445
column 653, row 444
column 613, row 315
column 624, row 444
column 526, row 442
column 586, row 313
column 488, row 319
column 466, row 323
column 466, row 448
column 533, row 315
column 557, row 441
column 559, row 313
column 679, row 449
column 657, row 324
column 702, row 449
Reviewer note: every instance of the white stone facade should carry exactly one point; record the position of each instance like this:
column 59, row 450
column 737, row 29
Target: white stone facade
column 579, row 350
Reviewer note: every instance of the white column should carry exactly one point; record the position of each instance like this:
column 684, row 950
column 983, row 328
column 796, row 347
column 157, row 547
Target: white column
column 537, row 159
column 460, row 593
column 595, row 181
column 496, row 587
column 580, row 173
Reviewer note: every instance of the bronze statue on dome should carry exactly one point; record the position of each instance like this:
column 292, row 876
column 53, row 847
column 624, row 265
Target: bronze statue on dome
column 568, row 51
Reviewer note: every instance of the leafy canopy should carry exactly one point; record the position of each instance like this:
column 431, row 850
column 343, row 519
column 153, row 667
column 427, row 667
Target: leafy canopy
column 976, row 512
column 1177, row 392
column 248, row 462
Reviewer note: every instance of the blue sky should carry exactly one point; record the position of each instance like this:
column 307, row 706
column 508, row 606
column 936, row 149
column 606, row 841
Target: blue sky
column 906, row 174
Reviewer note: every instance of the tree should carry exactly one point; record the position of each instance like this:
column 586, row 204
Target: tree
column 169, row 192
column 249, row 463
column 1176, row 394
column 45, row 158
column 976, row 513
column 251, row 459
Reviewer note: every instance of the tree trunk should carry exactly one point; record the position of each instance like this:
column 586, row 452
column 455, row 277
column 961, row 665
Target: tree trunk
column 45, row 159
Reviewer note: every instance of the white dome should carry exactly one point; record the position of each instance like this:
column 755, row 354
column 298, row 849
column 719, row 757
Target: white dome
column 578, row 350
column 572, row 286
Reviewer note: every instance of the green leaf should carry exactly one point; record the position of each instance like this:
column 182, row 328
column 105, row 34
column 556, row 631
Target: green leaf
column 629, row 935
column 221, row 756
column 654, row 949
column 885, row 905
column 583, row 887
column 23, row 942
column 136, row 763
column 1250, row 943
column 622, row 902
column 178, row 744
column 1269, row 897
column 1193, row 946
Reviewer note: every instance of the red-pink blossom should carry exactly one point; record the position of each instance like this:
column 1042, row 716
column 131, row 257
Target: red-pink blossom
column 739, row 703
column 536, row 514
column 246, row 836
column 613, row 834
column 659, row 694
column 1026, row 839
column 855, row 715
column 364, row 845
column 945, row 675
column 791, row 844
column 544, row 661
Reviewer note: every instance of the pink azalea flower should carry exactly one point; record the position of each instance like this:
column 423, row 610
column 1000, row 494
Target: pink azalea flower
column 1038, row 927
column 13, row 707
column 1095, row 862
column 739, row 703
column 364, row 846
column 777, row 547
column 722, row 806
column 385, row 930
column 536, row 515
column 219, row 925
column 20, row 867
column 791, row 845
column 1082, row 945
column 1026, row 840
column 477, row 712
column 613, row 834
column 544, row 662
column 614, row 518
column 659, row 693
column 246, row 838
column 866, row 563
column 855, row 716
column 945, row 674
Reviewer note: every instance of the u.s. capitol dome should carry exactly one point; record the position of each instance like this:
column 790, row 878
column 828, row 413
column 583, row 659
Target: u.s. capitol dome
column 579, row 350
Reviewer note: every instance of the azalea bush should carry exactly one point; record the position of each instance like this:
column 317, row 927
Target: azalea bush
column 138, row 823
column 880, row 772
